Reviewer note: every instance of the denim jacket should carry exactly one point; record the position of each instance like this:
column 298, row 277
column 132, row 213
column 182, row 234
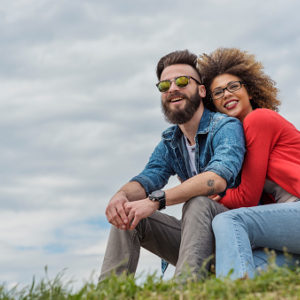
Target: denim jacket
column 220, row 148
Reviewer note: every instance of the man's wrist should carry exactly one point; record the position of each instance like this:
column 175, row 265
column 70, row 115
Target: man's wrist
column 158, row 196
column 154, row 204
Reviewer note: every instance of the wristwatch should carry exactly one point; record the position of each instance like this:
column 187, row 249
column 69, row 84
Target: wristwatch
column 159, row 196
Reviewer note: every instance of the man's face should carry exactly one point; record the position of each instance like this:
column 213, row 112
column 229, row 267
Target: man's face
column 179, row 104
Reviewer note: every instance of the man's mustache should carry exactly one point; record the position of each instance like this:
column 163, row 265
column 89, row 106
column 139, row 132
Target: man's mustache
column 176, row 95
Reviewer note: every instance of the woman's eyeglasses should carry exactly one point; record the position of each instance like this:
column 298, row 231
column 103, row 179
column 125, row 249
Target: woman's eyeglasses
column 180, row 81
column 231, row 87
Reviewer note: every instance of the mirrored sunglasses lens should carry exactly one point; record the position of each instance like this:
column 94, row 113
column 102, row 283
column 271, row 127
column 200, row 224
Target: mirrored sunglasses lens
column 163, row 86
column 182, row 81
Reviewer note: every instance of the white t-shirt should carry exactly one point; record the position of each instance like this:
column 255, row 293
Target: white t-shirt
column 192, row 160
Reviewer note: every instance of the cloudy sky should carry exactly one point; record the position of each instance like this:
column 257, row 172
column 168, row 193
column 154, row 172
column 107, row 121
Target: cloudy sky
column 80, row 113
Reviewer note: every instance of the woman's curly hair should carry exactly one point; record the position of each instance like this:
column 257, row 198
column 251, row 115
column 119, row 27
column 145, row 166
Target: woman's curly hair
column 243, row 65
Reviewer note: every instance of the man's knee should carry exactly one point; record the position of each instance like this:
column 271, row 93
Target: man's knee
column 199, row 202
column 202, row 204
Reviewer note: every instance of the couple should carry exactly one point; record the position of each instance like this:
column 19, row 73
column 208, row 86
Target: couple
column 232, row 152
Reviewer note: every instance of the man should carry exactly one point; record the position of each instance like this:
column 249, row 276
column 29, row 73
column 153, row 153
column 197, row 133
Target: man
column 199, row 151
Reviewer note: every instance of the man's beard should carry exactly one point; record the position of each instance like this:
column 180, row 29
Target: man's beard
column 181, row 116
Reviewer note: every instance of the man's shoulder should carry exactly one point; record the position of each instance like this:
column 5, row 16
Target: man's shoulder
column 219, row 116
column 219, row 119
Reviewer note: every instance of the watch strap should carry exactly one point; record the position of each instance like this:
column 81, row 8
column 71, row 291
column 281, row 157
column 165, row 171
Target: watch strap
column 161, row 199
column 162, row 203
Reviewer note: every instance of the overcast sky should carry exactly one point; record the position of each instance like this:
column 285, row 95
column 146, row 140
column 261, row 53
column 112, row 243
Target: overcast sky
column 80, row 113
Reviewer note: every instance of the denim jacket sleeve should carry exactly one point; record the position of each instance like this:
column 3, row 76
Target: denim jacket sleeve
column 157, row 171
column 228, row 145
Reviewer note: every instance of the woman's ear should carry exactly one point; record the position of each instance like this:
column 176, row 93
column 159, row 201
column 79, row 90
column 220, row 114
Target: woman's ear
column 202, row 90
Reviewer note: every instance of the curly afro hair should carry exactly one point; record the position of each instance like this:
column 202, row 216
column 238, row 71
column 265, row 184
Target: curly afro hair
column 243, row 65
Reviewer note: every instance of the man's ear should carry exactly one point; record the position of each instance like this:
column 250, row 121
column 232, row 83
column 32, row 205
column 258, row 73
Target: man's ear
column 202, row 90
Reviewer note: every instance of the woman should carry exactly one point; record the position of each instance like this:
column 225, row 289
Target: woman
column 238, row 87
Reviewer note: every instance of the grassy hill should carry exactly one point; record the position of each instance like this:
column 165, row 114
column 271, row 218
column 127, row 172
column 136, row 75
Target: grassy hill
column 276, row 283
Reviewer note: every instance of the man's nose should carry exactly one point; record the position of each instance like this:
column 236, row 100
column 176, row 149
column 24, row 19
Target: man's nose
column 173, row 86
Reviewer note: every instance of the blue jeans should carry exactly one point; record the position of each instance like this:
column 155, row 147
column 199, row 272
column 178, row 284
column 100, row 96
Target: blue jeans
column 239, row 231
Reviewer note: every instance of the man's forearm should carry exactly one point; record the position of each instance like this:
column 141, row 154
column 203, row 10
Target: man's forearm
column 133, row 190
column 204, row 184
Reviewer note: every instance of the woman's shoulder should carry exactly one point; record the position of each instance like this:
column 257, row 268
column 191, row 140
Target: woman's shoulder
column 260, row 113
column 261, row 116
column 261, row 126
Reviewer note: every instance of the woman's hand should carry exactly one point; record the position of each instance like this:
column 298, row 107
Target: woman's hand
column 215, row 197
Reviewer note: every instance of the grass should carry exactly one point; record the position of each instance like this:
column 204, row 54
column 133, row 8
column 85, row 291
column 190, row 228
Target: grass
column 276, row 283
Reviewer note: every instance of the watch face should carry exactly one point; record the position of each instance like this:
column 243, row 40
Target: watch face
column 158, row 194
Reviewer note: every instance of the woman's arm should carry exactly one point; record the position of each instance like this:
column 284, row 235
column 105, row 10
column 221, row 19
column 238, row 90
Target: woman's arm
column 262, row 130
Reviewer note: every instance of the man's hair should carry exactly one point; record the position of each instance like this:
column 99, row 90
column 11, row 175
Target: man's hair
column 177, row 57
column 243, row 65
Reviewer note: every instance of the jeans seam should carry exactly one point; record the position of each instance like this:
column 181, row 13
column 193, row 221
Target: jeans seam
column 237, row 237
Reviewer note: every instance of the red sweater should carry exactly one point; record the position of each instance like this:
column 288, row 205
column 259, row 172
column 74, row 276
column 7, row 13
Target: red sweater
column 273, row 152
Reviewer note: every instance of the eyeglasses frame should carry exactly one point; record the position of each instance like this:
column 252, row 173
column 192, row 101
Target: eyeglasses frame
column 226, row 88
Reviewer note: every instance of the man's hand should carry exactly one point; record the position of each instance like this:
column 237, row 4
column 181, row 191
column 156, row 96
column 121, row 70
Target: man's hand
column 139, row 210
column 115, row 211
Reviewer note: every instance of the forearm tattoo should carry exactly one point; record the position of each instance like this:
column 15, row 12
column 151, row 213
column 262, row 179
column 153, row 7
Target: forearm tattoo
column 211, row 185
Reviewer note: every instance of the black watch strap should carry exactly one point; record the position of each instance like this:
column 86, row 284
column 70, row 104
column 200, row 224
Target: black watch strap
column 159, row 196
column 162, row 203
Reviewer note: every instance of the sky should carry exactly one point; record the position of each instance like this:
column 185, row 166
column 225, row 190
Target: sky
column 80, row 113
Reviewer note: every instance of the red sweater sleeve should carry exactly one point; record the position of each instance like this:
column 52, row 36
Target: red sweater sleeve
column 261, row 132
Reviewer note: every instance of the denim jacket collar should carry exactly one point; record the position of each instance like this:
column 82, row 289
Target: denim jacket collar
column 173, row 133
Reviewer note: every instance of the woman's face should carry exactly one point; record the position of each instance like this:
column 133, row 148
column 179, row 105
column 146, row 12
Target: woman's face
column 236, row 103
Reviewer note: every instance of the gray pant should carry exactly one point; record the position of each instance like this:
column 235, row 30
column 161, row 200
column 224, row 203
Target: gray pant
column 187, row 244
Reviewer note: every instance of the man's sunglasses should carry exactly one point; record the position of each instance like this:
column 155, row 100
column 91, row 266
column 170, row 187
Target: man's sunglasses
column 180, row 81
